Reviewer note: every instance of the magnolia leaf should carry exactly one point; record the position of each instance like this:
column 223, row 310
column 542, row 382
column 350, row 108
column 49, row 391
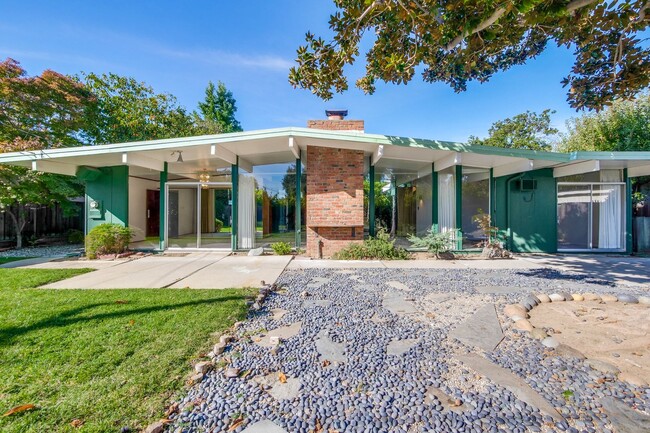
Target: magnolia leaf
column 18, row 409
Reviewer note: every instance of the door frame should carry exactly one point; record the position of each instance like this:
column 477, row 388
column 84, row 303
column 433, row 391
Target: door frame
column 197, row 185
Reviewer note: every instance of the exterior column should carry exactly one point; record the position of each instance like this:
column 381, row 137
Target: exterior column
column 628, row 212
column 459, row 207
column 162, row 242
column 492, row 198
column 298, row 216
column 371, row 200
column 234, row 176
column 434, row 199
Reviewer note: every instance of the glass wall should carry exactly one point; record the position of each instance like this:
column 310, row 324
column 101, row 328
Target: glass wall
column 591, row 216
column 275, row 202
column 475, row 200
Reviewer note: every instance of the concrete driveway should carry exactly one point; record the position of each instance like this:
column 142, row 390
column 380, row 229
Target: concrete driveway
column 193, row 270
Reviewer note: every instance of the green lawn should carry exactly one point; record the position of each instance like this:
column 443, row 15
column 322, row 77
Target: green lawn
column 4, row 260
column 111, row 358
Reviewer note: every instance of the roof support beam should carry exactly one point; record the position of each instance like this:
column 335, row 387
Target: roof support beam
column 54, row 167
column 577, row 168
column 230, row 157
column 514, row 167
column 377, row 154
column 447, row 161
column 294, row 147
column 643, row 170
column 142, row 161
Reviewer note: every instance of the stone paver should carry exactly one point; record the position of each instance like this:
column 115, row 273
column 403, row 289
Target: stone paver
column 400, row 347
column 283, row 332
column 625, row 419
column 514, row 384
column 328, row 349
column 279, row 390
column 482, row 329
column 398, row 304
column 398, row 285
column 264, row 426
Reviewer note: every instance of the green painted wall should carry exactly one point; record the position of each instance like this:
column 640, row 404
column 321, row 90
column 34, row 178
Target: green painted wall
column 527, row 218
column 109, row 188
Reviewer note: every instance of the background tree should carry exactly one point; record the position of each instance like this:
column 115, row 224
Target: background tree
column 623, row 126
column 457, row 42
column 39, row 112
column 218, row 109
column 129, row 110
column 527, row 130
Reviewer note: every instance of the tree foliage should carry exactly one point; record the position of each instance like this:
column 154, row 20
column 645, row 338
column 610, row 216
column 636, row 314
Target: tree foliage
column 458, row 42
column 527, row 130
column 39, row 112
column 218, row 109
column 623, row 126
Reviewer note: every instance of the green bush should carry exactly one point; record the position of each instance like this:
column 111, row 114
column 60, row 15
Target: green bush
column 436, row 243
column 377, row 248
column 281, row 248
column 218, row 225
column 75, row 236
column 107, row 239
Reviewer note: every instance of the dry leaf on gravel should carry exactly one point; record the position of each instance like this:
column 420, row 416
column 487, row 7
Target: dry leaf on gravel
column 282, row 377
column 236, row 424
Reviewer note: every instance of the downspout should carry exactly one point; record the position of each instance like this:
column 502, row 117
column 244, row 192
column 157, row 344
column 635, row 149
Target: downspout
column 517, row 177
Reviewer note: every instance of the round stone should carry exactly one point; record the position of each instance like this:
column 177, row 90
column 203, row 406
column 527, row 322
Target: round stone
column 645, row 300
column 538, row 334
column 515, row 310
column 628, row 299
column 550, row 342
column 602, row 366
column 632, row 379
column 523, row 325
column 609, row 298
column 591, row 297
column 556, row 297
column 577, row 297
column 517, row 318
column 566, row 296
column 543, row 297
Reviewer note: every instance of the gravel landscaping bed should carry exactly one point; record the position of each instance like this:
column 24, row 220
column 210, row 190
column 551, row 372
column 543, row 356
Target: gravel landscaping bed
column 47, row 251
column 369, row 350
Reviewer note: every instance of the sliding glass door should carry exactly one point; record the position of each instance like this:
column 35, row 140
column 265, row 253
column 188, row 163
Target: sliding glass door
column 590, row 216
column 199, row 215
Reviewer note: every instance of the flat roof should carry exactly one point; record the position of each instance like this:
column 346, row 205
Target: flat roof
column 389, row 154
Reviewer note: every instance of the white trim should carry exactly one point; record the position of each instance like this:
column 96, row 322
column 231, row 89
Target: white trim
column 577, row 168
column 447, row 161
column 643, row 170
column 513, row 168
column 54, row 167
column 294, row 147
column 139, row 160
column 377, row 154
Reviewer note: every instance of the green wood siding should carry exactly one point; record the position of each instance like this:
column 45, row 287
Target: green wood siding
column 527, row 219
column 110, row 188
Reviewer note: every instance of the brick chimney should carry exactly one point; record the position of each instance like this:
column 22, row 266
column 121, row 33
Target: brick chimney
column 336, row 122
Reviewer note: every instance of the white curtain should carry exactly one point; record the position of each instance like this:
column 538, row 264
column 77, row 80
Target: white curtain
column 246, row 212
column 610, row 219
column 446, row 202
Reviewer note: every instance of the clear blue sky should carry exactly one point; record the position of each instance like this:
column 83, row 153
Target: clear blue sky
column 177, row 47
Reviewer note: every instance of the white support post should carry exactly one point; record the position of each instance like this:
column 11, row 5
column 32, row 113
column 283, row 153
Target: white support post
column 513, row 168
column 577, row 168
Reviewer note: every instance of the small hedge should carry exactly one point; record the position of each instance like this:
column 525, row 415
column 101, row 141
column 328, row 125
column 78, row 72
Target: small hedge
column 107, row 239
column 377, row 248
column 218, row 225
column 75, row 236
column 281, row 248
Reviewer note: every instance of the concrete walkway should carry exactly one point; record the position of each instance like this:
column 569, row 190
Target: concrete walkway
column 194, row 270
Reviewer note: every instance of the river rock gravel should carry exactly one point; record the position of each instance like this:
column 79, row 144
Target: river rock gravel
column 366, row 389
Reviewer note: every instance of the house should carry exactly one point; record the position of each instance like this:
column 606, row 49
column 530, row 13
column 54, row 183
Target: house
column 306, row 186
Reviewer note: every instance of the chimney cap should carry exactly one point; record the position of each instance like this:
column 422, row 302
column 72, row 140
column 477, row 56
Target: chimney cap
column 336, row 114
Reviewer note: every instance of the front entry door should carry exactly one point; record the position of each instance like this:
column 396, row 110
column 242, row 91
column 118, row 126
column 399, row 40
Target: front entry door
column 153, row 212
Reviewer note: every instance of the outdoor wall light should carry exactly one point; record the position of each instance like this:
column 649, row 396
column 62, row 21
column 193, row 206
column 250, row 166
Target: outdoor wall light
column 204, row 178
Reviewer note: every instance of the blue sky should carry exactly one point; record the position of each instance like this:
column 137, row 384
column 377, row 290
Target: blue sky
column 177, row 47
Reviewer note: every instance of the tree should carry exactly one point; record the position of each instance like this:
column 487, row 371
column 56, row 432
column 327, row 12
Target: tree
column 36, row 113
column 622, row 127
column 218, row 109
column 458, row 42
column 527, row 130
column 129, row 110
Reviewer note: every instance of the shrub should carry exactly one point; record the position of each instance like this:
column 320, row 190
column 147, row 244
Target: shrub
column 75, row 236
column 377, row 248
column 107, row 239
column 218, row 225
column 281, row 248
column 436, row 243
